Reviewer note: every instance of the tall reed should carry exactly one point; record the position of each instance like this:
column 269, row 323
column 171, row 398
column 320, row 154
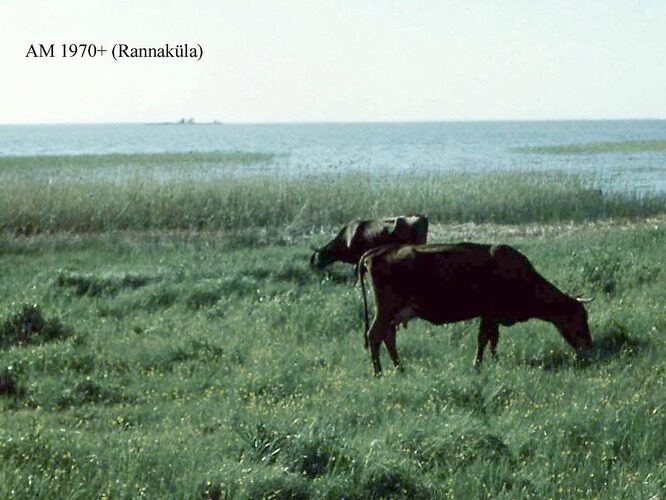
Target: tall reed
column 200, row 196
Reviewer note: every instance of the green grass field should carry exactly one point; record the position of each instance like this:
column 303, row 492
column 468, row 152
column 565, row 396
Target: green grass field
column 179, row 359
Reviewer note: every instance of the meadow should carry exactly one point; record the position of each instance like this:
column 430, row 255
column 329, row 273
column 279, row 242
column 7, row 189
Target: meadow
column 181, row 347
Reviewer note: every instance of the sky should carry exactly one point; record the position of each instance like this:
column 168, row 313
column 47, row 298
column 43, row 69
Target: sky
column 336, row 61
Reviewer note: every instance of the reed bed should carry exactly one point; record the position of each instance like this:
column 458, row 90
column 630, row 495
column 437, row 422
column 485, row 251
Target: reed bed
column 209, row 192
column 598, row 147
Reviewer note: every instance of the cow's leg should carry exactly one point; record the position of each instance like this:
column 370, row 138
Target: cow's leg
column 375, row 337
column 389, row 341
column 494, row 338
column 386, row 306
column 488, row 332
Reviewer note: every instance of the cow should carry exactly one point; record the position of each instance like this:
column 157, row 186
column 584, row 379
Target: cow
column 446, row 283
column 359, row 236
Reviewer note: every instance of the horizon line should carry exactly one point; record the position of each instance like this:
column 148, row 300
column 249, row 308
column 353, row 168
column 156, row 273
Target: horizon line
column 329, row 122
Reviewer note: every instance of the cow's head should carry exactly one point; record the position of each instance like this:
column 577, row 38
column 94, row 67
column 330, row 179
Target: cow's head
column 320, row 258
column 323, row 256
column 572, row 324
column 314, row 257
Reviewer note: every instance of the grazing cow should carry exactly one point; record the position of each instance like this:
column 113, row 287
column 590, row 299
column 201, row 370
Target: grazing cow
column 359, row 236
column 456, row 282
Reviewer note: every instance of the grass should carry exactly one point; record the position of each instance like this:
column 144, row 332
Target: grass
column 189, row 370
column 178, row 365
column 598, row 147
column 255, row 206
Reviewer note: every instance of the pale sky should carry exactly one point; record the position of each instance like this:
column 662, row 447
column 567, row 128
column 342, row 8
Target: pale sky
column 362, row 60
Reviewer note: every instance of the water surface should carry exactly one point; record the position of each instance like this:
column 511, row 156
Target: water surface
column 381, row 148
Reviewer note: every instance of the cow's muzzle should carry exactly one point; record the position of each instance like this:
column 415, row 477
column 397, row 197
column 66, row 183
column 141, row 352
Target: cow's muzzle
column 313, row 259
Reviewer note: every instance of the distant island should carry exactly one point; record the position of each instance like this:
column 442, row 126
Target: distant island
column 187, row 121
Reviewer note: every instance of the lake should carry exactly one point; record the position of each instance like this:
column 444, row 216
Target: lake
column 380, row 148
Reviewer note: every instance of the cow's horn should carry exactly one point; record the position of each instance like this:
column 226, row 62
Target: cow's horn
column 584, row 300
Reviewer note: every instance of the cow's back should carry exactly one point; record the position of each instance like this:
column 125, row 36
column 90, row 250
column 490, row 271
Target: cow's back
column 363, row 235
column 454, row 282
column 418, row 225
column 392, row 230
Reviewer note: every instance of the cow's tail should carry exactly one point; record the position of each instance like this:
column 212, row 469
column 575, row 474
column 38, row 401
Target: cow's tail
column 361, row 275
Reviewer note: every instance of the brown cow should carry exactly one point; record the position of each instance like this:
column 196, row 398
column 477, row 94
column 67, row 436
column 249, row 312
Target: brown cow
column 359, row 236
column 456, row 282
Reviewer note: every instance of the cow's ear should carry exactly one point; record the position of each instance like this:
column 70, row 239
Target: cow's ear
column 354, row 232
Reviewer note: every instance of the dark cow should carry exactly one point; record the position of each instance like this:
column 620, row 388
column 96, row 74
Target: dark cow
column 359, row 236
column 456, row 282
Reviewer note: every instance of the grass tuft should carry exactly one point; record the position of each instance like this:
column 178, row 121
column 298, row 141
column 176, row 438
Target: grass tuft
column 95, row 285
column 27, row 325
column 8, row 384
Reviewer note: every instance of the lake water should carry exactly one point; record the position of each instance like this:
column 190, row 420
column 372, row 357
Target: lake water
column 383, row 148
